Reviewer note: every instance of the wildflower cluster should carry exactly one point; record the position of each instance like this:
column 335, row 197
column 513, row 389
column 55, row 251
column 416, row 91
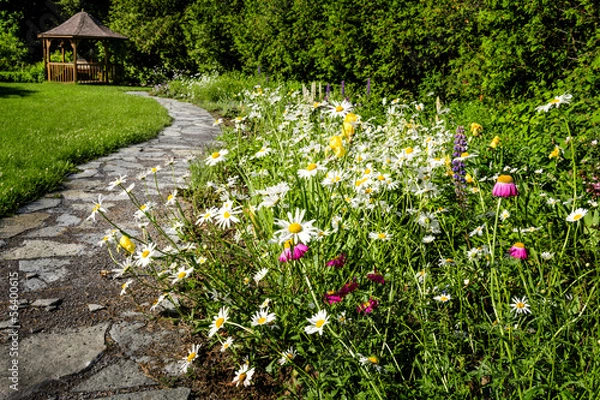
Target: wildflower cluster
column 326, row 239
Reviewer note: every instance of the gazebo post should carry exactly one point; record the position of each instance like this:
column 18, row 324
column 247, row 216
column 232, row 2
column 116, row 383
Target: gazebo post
column 105, row 73
column 74, row 45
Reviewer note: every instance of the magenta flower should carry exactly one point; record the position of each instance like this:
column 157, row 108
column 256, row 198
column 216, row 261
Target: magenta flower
column 368, row 306
column 332, row 297
column 518, row 251
column 375, row 277
column 505, row 187
column 293, row 253
column 337, row 262
column 348, row 288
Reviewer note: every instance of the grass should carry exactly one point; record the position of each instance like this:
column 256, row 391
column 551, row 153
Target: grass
column 47, row 129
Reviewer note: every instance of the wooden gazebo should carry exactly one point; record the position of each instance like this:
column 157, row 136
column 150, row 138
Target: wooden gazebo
column 81, row 26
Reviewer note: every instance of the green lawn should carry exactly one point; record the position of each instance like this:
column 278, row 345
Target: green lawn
column 46, row 130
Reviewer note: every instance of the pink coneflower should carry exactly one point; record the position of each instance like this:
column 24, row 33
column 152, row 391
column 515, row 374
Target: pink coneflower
column 332, row 297
column 505, row 187
column 293, row 253
column 375, row 277
column 518, row 251
column 368, row 306
column 337, row 262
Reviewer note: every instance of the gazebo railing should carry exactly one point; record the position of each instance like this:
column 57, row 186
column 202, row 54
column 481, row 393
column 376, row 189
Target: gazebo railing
column 86, row 72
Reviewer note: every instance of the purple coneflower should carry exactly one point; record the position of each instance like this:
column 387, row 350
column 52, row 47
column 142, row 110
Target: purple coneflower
column 518, row 251
column 505, row 187
column 293, row 253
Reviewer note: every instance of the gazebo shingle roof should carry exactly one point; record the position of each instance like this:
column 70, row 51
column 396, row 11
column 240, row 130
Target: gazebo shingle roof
column 81, row 25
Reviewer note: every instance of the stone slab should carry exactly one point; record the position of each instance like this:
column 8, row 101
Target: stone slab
column 41, row 204
column 47, row 232
column 45, row 357
column 164, row 394
column 12, row 226
column 42, row 249
column 122, row 375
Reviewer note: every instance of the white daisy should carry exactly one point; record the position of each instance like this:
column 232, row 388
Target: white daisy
column 218, row 321
column 443, row 298
column 117, row 182
column 263, row 317
column 317, row 323
column 208, row 215
column 339, row 109
column 577, row 215
column 144, row 256
column 384, row 236
column 287, row 356
column 520, row 305
column 189, row 359
column 97, row 208
column 243, row 375
column 226, row 344
column 260, row 274
column 216, row 157
column 181, row 274
column 295, row 228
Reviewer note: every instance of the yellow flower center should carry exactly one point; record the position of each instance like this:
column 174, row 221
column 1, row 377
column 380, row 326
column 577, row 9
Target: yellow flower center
column 242, row 376
column 373, row 360
column 96, row 207
column 290, row 355
column 320, row 323
column 288, row 243
column 311, row 166
column 154, row 170
column 554, row 101
column 408, row 150
column 339, row 109
column 505, row 179
column 381, row 178
column 577, row 217
column 145, row 253
column 170, row 197
column 316, row 104
column 191, row 357
column 262, row 320
column 219, row 322
column 381, row 235
column 295, row 228
column 367, row 171
column 181, row 275
column 143, row 207
column 520, row 305
column 519, row 245
column 226, row 215
column 465, row 154
column 216, row 154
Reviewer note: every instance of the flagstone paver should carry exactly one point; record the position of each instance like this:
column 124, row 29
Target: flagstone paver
column 76, row 340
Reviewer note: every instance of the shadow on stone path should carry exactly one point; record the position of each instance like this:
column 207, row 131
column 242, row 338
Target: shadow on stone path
column 76, row 337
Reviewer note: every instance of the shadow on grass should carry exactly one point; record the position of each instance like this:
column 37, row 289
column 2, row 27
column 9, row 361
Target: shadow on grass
column 7, row 91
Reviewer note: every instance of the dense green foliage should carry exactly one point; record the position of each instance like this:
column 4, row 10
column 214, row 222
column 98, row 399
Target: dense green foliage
column 455, row 48
column 47, row 129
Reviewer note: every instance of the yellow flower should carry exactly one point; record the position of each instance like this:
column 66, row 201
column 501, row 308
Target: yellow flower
column 476, row 129
column 495, row 142
column 127, row 244
column 469, row 178
column 348, row 130
column 555, row 153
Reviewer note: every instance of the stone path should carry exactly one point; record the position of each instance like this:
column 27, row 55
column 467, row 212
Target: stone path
column 75, row 336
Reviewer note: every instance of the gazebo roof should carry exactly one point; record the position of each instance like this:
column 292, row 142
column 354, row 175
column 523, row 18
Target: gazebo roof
column 81, row 26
